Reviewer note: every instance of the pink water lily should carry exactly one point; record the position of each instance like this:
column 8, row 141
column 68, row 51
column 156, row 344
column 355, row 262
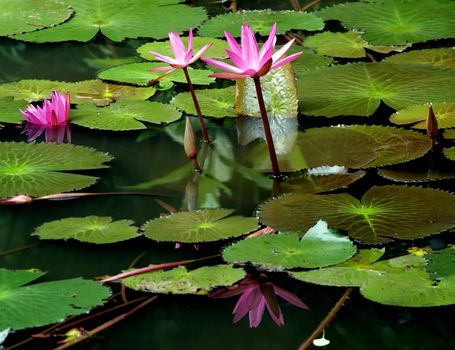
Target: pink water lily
column 53, row 112
column 249, row 61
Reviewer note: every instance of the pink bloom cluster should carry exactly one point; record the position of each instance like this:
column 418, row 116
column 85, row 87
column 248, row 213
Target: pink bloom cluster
column 53, row 112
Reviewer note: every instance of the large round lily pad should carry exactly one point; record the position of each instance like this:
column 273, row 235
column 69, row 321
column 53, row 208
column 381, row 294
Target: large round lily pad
column 10, row 110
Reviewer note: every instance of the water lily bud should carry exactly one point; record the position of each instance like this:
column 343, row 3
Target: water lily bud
column 189, row 140
column 432, row 126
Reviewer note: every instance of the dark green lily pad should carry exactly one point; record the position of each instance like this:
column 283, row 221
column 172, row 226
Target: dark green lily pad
column 359, row 88
column 449, row 134
column 416, row 175
column 217, row 103
column 91, row 229
column 199, row 226
column 182, row 281
column 124, row 115
column 261, row 22
column 396, row 22
column 139, row 74
column 440, row 57
column 319, row 247
column 9, row 110
column 36, row 169
column 384, row 213
column 441, row 263
column 30, row 15
column 118, row 20
column 70, row 297
column 450, row 153
column 308, row 60
column 417, row 115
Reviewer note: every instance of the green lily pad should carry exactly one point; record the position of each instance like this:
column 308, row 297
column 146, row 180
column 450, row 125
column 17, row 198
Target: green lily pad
column 36, row 169
column 70, row 297
column 416, row 175
column 449, row 134
column 217, row 50
column 359, row 88
column 308, row 60
column 139, row 74
column 441, row 263
column 261, row 22
column 199, row 226
column 91, row 229
column 118, row 20
column 417, row 115
column 440, row 57
column 396, row 22
column 10, row 110
column 450, row 153
column 124, row 115
column 30, row 15
column 32, row 90
column 383, row 214
column 182, row 281
column 288, row 251
column 349, row 44
column 217, row 103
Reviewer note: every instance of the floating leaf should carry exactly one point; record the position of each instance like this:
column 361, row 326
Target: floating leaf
column 199, row 226
column 441, row 57
column 9, row 110
column 349, row 44
column 417, row 115
column 441, row 263
column 319, row 247
column 35, row 169
column 383, row 214
column 28, row 306
column 216, row 103
column 416, row 175
column 449, row 134
column 139, row 74
column 396, row 22
column 261, row 22
column 91, row 229
column 30, row 15
column 450, row 153
column 308, row 60
column 182, row 281
column 32, row 90
column 359, row 88
column 118, row 20
column 124, row 115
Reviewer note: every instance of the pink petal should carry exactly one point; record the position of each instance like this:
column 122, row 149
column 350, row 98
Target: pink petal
column 249, row 45
column 163, row 58
column 190, row 41
column 200, row 53
column 278, row 319
column 178, row 48
column 165, row 74
column 233, row 45
column 269, row 44
column 221, row 65
column 228, row 76
column 289, row 297
column 237, row 60
column 277, row 55
column 160, row 69
column 257, row 313
column 241, row 308
column 286, row 60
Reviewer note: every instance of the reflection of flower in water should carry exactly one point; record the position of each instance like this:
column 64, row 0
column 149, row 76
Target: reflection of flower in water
column 255, row 297
column 52, row 133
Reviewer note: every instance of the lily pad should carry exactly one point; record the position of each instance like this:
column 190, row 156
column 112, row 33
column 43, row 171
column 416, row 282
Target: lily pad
column 124, row 115
column 308, row 60
column 70, row 297
column 383, row 214
column 349, row 44
column 441, row 263
column 32, row 90
column 261, row 22
column 359, row 88
column 139, row 74
column 30, row 15
column 450, row 153
column 118, row 20
column 396, row 22
column 9, row 110
column 319, row 247
column 91, row 229
column 217, row 103
column 199, row 226
column 36, row 169
column 440, row 57
column 182, row 281
column 417, row 175
column 417, row 115
column 449, row 134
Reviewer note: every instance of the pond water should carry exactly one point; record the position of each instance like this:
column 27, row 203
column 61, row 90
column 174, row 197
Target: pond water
column 142, row 158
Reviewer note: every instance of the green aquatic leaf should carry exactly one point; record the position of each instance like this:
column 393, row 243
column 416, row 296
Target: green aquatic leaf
column 124, row 115
column 308, row 60
column 217, row 103
column 182, row 281
column 441, row 263
column 449, row 134
column 10, row 110
column 36, row 169
column 450, row 153
column 206, row 225
column 30, row 15
column 139, row 74
column 118, row 20
column 419, row 175
column 32, row 90
column 396, row 22
column 287, row 251
column 91, row 229
column 439, row 57
column 383, row 214
column 261, row 22
column 29, row 306
column 359, row 88
column 417, row 115
column 349, row 44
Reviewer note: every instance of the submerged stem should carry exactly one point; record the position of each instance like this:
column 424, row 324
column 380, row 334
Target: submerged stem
column 205, row 135
column 268, row 133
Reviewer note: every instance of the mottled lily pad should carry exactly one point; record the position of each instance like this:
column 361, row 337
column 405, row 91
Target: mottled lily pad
column 91, row 229
column 199, row 226
column 441, row 263
column 440, row 57
column 383, row 214
column 182, row 281
column 9, row 110
column 349, row 44
column 417, row 115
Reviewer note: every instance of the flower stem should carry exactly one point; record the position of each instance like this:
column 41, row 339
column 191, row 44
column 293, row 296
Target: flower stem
column 205, row 135
column 268, row 134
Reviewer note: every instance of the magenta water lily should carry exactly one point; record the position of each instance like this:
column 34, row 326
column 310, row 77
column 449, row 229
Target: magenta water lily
column 53, row 112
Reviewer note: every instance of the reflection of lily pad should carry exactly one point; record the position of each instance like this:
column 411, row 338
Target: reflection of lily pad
column 91, row 229
column 199, row 226
column 288, row 251
column 182, row 281
column 440, row 57
column 9, row 110
column 28, row 306
column 124, row 115
column 36, row 169
column 417, row 115
column 383, row 214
